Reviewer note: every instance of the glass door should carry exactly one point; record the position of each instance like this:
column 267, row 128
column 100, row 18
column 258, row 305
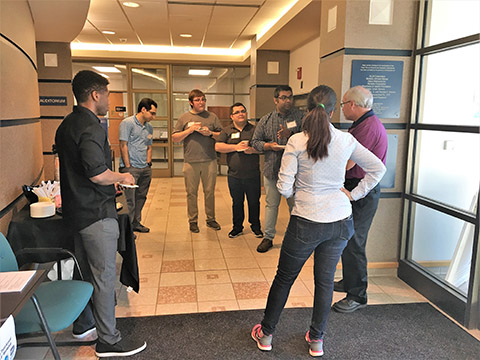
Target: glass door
column 153, row 81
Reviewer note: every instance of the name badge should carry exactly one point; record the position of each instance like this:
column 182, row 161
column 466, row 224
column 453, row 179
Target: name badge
column 190, row 123
column 235, row 135
column 150, row 136
column 291, row 124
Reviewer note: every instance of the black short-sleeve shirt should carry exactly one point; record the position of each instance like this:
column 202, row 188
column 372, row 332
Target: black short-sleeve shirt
column 240, row 165
column 84, row 152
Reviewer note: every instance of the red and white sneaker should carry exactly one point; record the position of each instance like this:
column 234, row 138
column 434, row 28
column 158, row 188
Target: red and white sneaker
column 316, row 346
column 264, row 342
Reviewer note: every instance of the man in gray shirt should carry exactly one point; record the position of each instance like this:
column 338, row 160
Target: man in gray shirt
column 198, row 129
column 270, row 137
column 135, row 134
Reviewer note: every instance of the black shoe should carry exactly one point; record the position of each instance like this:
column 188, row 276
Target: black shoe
column 141, row 228
column 83, row 334
column 234, row 233
column 347, row 306
column 338, row 286
column 124, row 347
column 265, row 245
column 213, row 224
column 258, row 233
column 194, row 227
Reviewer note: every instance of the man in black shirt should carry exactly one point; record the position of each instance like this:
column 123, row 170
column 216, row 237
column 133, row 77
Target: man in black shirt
column 243, row 170
column 88, row 204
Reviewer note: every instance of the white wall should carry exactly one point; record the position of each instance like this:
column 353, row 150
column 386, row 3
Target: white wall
column 307, row 57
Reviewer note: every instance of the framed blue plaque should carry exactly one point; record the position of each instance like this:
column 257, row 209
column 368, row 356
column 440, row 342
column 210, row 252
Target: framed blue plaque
column 384, row 80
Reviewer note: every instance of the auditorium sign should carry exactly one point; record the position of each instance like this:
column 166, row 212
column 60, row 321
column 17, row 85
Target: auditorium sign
column 384, row 80
column 53, row 101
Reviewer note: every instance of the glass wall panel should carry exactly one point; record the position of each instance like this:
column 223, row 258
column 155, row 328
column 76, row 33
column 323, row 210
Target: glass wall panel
column 180, row 104
column 149, row 78
column 452, row 19
column 448, row 167
column 219, row 80
column 160, row 99
column 451, row 86
column 442, row 245
column 242, row 80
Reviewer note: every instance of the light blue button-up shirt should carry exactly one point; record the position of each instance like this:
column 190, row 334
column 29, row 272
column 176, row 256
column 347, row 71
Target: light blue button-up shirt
column 139, row 138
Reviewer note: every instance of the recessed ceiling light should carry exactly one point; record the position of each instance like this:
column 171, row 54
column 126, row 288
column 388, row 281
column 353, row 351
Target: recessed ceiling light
column 199, row 72
column 130, row 4
column 108, row 32
column 186, row 35
column 107, row 69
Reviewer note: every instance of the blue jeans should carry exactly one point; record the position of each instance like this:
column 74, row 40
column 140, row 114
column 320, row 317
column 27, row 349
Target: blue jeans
column 238, row 189
column 272, row 200
column 302, row 238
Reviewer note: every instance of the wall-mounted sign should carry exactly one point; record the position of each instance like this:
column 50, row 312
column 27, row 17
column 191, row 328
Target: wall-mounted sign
column 384, row 80
column 53, row 101
column 120, row 108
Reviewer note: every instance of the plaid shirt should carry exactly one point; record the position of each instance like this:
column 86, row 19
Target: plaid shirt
column 266, row 131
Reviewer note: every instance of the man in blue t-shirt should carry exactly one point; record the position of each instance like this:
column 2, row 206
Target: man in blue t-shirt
column 135, row 134
column 370, row 132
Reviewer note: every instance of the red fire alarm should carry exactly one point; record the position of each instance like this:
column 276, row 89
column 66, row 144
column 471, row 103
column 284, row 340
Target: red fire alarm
column 299, row 73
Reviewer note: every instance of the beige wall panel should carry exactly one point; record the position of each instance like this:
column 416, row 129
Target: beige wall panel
column 16, row 24
column 307, row 58
column 56, row 89
column 335, row 39
column 64, row 57
column 48, row 167
column 264, row 101
column 330, row 73
column 384, row 236
column 263, row 57
column 5, row 220
column 400, row 35
column 18, row 84
column 20, row 159
column 49, row 128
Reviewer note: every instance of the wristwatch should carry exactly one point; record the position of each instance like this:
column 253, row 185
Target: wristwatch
column 149, row 164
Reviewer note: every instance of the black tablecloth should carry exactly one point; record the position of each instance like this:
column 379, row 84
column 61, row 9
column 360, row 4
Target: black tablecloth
column 26, row 232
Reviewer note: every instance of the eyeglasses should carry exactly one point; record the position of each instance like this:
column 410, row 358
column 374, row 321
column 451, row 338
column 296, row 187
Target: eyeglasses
column 199, row 99
column 285, row 98
column 343, row 103
column 239, row 112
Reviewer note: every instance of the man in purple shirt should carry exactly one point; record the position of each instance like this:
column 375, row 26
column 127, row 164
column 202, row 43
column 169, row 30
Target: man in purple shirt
column 370, row 132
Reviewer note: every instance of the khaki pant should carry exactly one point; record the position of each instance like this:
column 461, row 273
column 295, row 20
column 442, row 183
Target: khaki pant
column 192, row 173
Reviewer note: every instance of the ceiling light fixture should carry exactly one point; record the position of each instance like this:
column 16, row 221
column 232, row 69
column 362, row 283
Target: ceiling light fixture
column 158, row 49
column 108, row 32
column 186, row 35
column 199, row 72
column 130, row 4
column 107, row 69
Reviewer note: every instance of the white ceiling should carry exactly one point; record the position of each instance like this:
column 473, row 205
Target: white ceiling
column 228, row 25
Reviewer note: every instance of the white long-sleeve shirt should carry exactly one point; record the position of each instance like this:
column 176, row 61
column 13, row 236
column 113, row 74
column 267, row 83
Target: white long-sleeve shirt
column 316, row 185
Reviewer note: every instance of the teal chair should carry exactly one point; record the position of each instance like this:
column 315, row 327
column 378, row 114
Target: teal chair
column 54, row 306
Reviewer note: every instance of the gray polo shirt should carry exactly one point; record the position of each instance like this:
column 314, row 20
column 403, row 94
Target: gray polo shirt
column 196, row 147
column 138, row 138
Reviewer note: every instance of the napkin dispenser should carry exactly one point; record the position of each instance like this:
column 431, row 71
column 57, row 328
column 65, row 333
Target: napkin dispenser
column 42, row 209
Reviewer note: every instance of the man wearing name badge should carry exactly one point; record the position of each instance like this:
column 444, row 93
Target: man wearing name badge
column 243, row 170
column 370, row 132
column 88, row 200
column 198, row 129
column 270, row 137
column 135, row 134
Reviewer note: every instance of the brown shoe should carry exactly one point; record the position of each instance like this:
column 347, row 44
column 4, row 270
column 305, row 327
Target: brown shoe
column 265, row 245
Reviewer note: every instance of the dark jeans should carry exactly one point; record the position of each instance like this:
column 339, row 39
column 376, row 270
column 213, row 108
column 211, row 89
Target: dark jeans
column 136, row 198
column 238, row 189
column 302, row 238
column 354, row 257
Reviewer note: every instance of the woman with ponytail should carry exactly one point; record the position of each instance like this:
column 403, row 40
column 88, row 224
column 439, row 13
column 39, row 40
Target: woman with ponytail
column 313, row 172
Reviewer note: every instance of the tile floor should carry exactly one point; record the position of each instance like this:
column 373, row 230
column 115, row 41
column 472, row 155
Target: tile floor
column 182, row 272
